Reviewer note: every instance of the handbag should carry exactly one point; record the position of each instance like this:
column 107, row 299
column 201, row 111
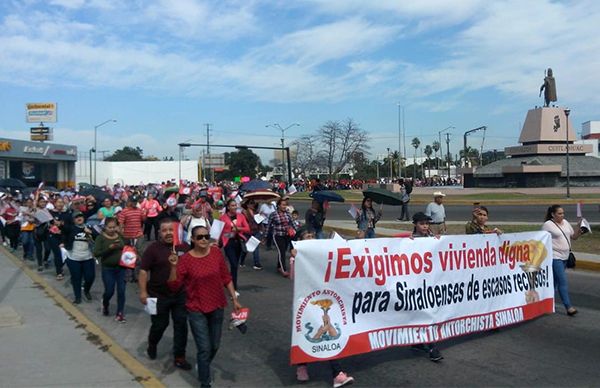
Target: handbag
column 128, row 257
column 571, row 260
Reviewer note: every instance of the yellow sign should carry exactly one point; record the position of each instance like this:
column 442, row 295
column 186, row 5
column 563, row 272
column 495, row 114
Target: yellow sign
column 5, row 146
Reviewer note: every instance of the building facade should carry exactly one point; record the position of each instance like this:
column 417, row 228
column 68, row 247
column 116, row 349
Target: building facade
column 35, row 162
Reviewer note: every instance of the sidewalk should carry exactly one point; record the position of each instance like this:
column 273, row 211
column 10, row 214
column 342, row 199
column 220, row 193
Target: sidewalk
column 43, row 345
column 586, row 261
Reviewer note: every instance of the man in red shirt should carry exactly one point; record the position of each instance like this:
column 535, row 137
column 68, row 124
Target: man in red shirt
column 155, row 262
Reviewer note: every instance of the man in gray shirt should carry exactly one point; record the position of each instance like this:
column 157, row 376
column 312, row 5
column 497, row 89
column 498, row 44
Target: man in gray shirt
column 435, row 210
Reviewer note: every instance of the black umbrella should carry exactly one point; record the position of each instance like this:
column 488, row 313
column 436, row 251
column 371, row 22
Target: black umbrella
column 99, row 195
column 383, row 196
column 13, row 183
column 256, row 184
column 326, row 195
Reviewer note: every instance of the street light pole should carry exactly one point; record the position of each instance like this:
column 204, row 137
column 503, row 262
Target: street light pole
column 94, row 151
column 390, row 164
column 567, row 112
column 278, row 127
column 440, row 141
column 399, row 140
column 96, row 145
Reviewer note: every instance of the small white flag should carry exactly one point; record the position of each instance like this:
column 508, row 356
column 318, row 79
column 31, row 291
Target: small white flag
column 579, row 213
column 353, row 211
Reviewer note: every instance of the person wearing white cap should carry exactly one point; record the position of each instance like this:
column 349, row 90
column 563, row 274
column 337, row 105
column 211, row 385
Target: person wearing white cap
column 435, row 210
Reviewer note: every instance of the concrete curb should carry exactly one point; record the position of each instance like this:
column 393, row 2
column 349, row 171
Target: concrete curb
column 581, row 263
column 95, row 334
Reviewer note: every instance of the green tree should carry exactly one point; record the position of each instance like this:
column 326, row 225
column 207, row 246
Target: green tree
column 126, row 154
column 415, row 143
column 242, row 162
column 436, row 147
column 428, row 151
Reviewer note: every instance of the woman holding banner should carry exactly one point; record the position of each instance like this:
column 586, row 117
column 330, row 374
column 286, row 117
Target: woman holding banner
column 340, row 378
column 478, row 224
column 421, row 229
column 562, row 233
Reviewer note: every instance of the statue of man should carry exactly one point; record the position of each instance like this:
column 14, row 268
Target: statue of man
column 549, row 88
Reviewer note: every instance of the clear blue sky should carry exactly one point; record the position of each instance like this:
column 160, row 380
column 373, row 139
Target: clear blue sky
column 164, row 68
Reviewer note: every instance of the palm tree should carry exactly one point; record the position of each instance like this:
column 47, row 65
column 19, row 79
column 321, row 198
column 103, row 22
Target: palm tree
column 415, row 143
column 428, row 151
column 436, row 147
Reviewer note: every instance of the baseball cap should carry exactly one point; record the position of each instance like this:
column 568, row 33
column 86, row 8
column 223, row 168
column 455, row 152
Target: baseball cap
column 420, row 217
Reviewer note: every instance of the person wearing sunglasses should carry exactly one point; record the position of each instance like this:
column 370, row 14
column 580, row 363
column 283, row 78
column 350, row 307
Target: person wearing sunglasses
column 202, row 272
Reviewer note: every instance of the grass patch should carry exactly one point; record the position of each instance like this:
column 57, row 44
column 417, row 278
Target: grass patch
column 455, row 197
column 587, row 243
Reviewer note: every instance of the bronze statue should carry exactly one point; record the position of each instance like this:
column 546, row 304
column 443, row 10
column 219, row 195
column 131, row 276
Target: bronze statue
column 549, row 88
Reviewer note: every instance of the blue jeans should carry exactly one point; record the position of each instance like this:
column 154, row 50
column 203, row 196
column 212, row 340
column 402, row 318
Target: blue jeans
column 370, row 233
column 560, row 281
column 233, row 252
column 206, row 329
column 112, row 277
column 81, row 270
column 54, row 241
column 28, row 244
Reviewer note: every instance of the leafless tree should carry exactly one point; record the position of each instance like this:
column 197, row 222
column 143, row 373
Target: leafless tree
column 341, row 140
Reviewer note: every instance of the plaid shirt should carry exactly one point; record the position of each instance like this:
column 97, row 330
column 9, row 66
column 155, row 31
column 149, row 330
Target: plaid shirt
column 280, row 222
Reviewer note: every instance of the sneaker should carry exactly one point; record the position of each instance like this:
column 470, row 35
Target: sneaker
column 40, row 268
column 105, row 311
column 181, row 363
column 342, row 379
column 257, row 267
column 435, row 355
column 47, row 264
column 571, row 311
column 5, row 243
column 87, row 295
column 151, row 352
column 60, row 276
column 302, row 374
column 242, row 265
column 120, row 318
column 77, row 301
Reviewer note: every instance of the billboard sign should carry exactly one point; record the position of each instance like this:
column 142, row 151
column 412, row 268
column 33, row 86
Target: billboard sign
column 41, row 112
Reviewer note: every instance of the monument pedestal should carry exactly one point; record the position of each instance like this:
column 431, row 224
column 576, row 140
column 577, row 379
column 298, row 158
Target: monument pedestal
column 545, row 133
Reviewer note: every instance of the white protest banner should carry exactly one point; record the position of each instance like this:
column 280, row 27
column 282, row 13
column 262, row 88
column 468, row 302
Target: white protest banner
column 292, row 190
column 358, row 296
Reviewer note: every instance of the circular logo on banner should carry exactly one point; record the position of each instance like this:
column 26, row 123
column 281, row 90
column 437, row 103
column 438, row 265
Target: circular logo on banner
column 321, row 320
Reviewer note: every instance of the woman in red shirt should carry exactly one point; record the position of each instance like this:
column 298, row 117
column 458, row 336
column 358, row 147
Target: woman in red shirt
column 203, row 273
column 233, row 236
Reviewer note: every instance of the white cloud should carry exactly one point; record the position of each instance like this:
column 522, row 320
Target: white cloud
column 326, row 42
column 509, row 47
column 202, row 20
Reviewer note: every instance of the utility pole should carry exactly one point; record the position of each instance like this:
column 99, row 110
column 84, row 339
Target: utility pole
column 567, row 112
column 448, row 155
column 390, row 164
column 208, row 154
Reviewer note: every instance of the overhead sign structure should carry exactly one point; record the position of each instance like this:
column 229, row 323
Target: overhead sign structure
column 214, row 161
column 41, row 133
column 41, row 112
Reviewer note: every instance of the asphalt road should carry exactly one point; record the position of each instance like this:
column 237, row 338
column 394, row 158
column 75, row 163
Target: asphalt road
column 504, row 213
column 553, row 350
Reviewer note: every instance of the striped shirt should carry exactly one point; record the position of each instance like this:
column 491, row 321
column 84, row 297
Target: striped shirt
column 131, row 220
